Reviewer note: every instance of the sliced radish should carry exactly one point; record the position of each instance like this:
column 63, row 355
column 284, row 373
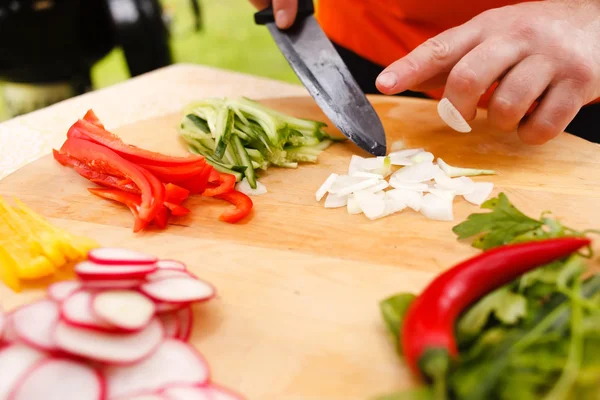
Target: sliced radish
column 335, row 201
column 77, row 311
column 15, row 361
column 162, row 308
column 91, row 270
column 170, row 264
column 437, row 207
column 411, row 198
column 125, row 348
column 220, row 393
column 2, row 323
column 185, row 318
column 174, row 363
column 126, row 309
column 35, row 322
column 480, row 193
column 326, row 186
column 168, row 273
column 145, row 397
column 171, row 324
column 60, row 379
column 118, row 256
column 113, row 284
column 422, row 172
column 188, row 393
column 61, row 290
column 10, row 336
column 178, row 290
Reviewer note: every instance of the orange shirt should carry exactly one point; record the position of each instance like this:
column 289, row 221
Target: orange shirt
column 383, row 31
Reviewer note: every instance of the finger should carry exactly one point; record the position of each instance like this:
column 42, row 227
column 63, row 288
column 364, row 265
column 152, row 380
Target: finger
column 260, row 4
column 519, row 89
column 472, row 76
column 557, row 109
column 436, row 55
column 285, row 12
column 438, row 81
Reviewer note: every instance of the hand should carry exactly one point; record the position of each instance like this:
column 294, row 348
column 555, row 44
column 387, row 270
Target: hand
column 285, row 11
column 546, row 51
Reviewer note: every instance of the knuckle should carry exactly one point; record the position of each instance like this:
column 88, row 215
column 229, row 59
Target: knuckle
column 463, row 79
column 526, row 30
column 581, row 71
column 439, row 49
column 504, row 112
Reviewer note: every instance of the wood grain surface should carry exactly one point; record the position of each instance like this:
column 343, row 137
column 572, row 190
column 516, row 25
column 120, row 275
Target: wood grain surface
column 297, row 315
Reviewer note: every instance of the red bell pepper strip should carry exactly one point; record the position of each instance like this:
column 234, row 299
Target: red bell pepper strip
column 104, row 160
column 427, row 338
column 92, row 132
column 197, row 184
column 90, row 116
column 243, row 206
column 176, row 209
column 132, row 201
column 226, row 184
column 175, row 194
column 176, row 174
column 158, row 192
column 162, row 218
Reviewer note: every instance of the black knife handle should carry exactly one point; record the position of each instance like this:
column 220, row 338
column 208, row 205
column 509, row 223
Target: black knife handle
column 305, row 9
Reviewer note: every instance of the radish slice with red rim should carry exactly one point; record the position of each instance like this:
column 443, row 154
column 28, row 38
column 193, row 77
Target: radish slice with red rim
column 34, row 324
column 60, row 379
column 59, row 291
column 178, row 290
column 91, row 270
column 15, row 361
column 126, row 348
column 169, row 307
column 10, row 336
column 174, row 363
column 185, row 318
column 2, row 323
column 114, row 284
column 115, row 255
column 76, row 310
column 170, row 264
column 168, row 273
column 171, row 324
column 220, row 393
column 188, row 393
column 145, row 397
column 126, row 309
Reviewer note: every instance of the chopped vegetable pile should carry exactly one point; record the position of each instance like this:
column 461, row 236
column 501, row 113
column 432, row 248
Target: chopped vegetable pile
column 241, row 136
column 420, row 184
column 152, row 185
column 518, row 321
column 32, row 249
column 119, row 332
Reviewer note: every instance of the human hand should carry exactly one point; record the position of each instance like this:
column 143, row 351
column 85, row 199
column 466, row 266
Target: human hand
column 285, row 11
column 546, row 51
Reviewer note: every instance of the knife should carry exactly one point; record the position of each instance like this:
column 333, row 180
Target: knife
column 322, row 71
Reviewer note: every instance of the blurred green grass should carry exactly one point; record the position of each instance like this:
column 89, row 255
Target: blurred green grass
column 229, row 39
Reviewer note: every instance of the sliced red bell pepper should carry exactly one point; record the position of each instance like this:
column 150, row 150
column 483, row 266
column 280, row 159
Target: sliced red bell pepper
column 104, row 160
column 176, row 174
column 92, row 132
column 226, row 184
column 175, row 194
column 176, row 209
column 243, row 206
column 197, row 184
column 131, row 200
column 161, row 219
column 90, row 116
column 158, row 191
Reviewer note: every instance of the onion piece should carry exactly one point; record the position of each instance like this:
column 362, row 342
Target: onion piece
column 422, row 157
column 397, row 145
column 363, row 184
column 460, row 186
column 335, row 201
column 411, row 198
column 454, row 172
column 372, row 205
column 407, row 153
column 326, row 186
column 415, row 186
column 377, row 188
column 363, row 174
column 417, row 173
column 450, row 115
column 355, row 164
column 245, row 188
column 480, row 193
column 437, row 207
column 353, row 207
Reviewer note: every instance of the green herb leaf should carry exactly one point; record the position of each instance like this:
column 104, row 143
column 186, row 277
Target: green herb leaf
column 393, row 309
column 496, row 228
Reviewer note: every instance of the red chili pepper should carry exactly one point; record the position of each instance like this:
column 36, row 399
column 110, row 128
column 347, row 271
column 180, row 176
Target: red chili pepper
column 428, row 328
column 243, row 206
column 226, row 184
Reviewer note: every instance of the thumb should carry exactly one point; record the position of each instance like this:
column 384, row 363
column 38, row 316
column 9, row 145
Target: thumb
column 285, row 12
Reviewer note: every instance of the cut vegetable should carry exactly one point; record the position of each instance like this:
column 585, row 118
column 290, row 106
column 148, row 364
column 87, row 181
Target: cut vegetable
column 245, row 188
column 411, row 198
column 355, row 187
column 113, row 284
column 335, row 201
column 170, row 323
column 422, row 157
column 417, row 173
column 170, row 264
column 414, row 186
column 178, row 290
column 34, row 323
column 2, row 324
column 91, row 270
column 220, row 393
column 59, row 379
column 174, row 363
column 450, row 115
column 481, row 191
column 373, row 206
column 353, row 206
column 125, row 309
column 77, row 311
column 188, row 393
column 113, row 255
column 15, row 361
column 61, row 290
column 437, row 207
column 109, row 348
column 168, row 273
column 454, row 172
column 185, row 317
column 326, row 186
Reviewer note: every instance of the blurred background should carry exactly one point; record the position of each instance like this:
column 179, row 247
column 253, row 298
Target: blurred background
column 54, row 49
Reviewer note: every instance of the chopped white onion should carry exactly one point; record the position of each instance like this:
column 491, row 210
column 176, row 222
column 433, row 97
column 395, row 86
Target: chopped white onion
column 447, row 194
column 454, row 172
column 364, row 184
column 377, row 188
column 417, row 173
column 450, row 115
column 245, row 188
column 373, row 206
column 335, row 201
column 364, row 174
column 411, row 198
column 325, row 186
column 343, row 181
column 353, row 206
column 480, row 193
column 437, row 207
column 378, row 165
column 397, row 145
column 355, row 164
column 460, row 186
column 416, row 186
column 422, row 157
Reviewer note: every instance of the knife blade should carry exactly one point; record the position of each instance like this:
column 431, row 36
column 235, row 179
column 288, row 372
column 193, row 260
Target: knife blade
column 328, row 80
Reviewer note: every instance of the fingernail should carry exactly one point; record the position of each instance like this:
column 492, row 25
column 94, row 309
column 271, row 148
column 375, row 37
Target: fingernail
column 387, row 79
column 282, row 19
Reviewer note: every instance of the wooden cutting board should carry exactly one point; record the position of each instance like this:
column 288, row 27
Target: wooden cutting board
column 297, row 313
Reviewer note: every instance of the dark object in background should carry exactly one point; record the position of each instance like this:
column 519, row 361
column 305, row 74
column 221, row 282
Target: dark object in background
column 47, row 47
